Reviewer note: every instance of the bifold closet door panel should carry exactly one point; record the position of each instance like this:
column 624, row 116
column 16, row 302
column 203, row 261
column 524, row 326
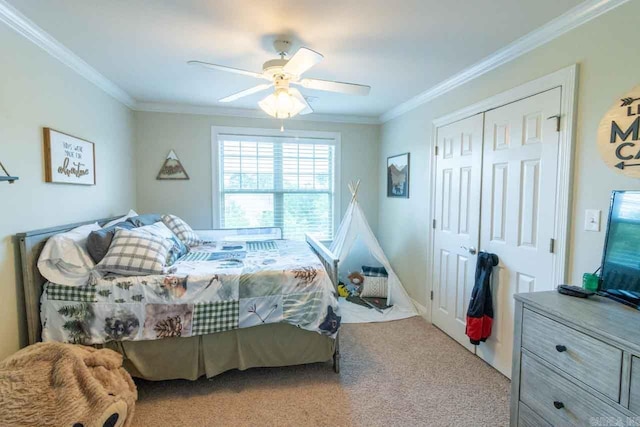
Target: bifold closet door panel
column 519, row 180
column 457, row 223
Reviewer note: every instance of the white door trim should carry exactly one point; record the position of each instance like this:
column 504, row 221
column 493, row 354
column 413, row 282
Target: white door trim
column 567, row 80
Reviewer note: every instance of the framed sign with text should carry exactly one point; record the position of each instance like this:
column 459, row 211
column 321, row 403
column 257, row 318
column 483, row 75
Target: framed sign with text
column 618, row 135
column 68, row 160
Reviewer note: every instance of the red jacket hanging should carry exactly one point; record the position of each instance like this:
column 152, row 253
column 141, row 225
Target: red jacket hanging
column 480, row 312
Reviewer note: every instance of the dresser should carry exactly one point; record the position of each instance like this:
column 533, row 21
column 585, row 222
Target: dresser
column 575, row 362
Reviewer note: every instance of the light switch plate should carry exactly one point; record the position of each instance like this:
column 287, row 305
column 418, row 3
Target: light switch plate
column 592, row 220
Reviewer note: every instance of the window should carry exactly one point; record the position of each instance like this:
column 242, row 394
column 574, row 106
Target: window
column 282, row 181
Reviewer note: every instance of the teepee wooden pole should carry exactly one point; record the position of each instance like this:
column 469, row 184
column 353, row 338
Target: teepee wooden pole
column 354, row 190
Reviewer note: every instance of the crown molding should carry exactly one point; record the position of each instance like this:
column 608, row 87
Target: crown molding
column 30, row 30
column 564, row 23
column 156, row 107
column 575, row 17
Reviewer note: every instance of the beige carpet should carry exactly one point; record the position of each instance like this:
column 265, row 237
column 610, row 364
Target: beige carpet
column 402, row 373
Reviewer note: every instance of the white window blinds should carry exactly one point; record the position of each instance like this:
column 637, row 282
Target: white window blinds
column 277, row 181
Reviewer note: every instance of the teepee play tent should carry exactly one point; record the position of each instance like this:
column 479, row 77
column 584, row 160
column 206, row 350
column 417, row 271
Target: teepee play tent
column 356, row 246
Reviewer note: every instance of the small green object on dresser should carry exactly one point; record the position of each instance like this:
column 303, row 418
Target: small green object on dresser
column 590, row 281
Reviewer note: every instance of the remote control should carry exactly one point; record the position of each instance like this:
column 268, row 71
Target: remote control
column 574, row 291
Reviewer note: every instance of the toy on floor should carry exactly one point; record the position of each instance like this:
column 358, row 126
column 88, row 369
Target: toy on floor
column 343, row 291
column 55, row 384
column 356, row 283
column 353, row 288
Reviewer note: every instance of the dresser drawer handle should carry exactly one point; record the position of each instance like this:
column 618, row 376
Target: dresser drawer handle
column 558, row 405
column 561, row 348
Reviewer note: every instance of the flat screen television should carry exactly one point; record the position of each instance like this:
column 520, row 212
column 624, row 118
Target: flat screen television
column 620, row 269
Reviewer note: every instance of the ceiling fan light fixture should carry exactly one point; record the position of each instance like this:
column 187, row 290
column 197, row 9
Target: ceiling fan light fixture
column 281, row 104
column 286, row 102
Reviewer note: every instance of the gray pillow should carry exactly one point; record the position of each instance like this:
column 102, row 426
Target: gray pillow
column 146, row 219
column 99, row 241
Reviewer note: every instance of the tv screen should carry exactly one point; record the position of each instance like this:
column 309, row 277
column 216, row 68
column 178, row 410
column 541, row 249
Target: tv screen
column 620, row 277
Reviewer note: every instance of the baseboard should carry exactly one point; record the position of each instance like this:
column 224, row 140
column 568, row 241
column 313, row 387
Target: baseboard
column 422, row 310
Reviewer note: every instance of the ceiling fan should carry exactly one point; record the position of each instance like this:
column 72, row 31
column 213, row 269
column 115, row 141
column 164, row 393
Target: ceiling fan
column 286, row 101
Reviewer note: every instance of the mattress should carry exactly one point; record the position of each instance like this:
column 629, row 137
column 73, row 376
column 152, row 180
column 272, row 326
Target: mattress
column 216, row 287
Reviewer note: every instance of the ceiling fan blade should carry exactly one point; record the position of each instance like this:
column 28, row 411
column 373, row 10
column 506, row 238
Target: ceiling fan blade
column 296, row 94
column 340, row 87
column 301, row 61
column 228, row 69
column 246, row 92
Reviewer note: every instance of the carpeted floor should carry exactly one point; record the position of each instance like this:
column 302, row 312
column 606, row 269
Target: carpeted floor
column 402, row 373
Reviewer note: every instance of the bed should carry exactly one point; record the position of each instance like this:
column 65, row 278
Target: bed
column 209, row 354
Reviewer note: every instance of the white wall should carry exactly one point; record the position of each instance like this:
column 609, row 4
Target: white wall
column 38, row 91
column 607, row 51
column 190, row 136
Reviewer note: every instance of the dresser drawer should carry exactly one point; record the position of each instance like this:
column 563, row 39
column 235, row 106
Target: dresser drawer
column 634, row 391
column 528, row 418
column 541, row 389
column 587, row 359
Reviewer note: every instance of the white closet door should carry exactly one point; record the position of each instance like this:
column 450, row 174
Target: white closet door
column 457, row 214
column 520, row 163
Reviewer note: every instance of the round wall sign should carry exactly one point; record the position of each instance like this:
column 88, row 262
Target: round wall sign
column 618, row 135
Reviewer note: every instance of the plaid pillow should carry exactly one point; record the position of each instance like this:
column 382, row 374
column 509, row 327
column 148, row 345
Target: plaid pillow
column 178, row 248
column 374, row 271
column 135, row 253
column 182, row 230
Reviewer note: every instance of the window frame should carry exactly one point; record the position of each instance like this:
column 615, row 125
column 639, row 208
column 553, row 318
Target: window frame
column 331, row 138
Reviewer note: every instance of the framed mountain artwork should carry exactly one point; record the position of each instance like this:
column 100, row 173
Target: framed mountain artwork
column 172, row 168
column 398, row 176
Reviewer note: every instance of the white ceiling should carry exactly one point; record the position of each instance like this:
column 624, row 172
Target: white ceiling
column 400, row 48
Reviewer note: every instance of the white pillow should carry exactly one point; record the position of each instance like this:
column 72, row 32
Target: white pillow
column 375, row 287
column 64, row 260
column 131, row 214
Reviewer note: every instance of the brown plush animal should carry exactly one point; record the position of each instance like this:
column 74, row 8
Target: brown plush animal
column 55, row 384
column 356, row 278
column 357, row 282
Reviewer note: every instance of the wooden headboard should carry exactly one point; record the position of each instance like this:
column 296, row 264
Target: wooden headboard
column 31, row 244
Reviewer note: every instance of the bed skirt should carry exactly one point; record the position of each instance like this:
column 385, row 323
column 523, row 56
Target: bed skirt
column 269, row 345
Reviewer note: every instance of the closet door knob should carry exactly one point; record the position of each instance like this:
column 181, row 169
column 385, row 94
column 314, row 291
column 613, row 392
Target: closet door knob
column 558, row 405
column 561, row 348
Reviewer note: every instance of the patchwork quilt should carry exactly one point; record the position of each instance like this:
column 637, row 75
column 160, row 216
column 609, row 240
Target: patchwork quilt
column 218, row 286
